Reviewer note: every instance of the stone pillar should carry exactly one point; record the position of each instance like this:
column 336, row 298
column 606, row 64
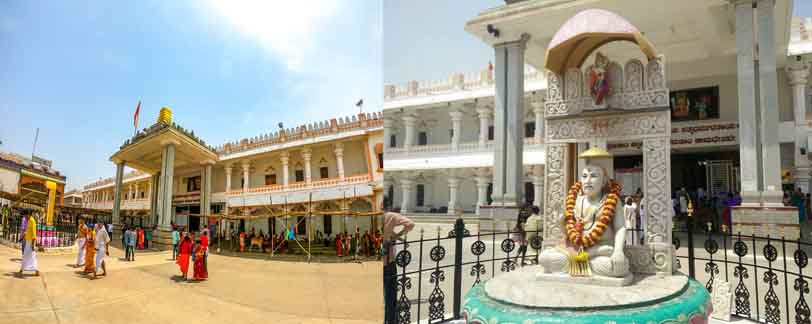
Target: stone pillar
column 772, row 194
column 453, row 184
column 484, row 114
column 228, row 170
column 285, row 158
column 538, row 111
column 117, row 189
column 538, row 186
column 798, row 72
column 206, row 194
column 745, row 58
column 509, row 122
column 306, row 155
column 153, row 197
column 406, row 187
column 456, row 128
column 409, row 122
column 246, row 175
column 339, row 151
column 167, row 180
column 482, row 192
column 387, row 131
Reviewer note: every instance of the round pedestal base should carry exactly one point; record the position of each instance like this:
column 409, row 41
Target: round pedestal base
column 517, row 297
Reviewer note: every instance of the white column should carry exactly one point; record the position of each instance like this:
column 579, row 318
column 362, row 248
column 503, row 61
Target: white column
column 509, row 122
column 285, row 158
column 482, row 191
column 387, row 130
column 798, row 71
column 117, row 190
column 167, row 177
column 246, row 175
column 339, row 151
column 207, row 171
column 748, row 156
column 456, row 128
column 538, row 111
column 406, row 188
column 306, row 155
column 484, row 114
column 453, row 185
column 772, row 193
column 409, row 122
column 228, row 169
column 538, row 186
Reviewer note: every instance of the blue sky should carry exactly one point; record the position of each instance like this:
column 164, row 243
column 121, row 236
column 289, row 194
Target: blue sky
column 437, row 46
column 76, row 69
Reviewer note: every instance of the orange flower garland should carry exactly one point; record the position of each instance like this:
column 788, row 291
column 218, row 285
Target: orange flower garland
column 575, row 227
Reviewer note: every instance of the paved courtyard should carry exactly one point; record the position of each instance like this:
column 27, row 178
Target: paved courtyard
column 239, row 290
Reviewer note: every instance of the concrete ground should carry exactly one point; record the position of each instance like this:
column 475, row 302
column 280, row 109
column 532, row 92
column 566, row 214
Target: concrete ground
column 239, row 290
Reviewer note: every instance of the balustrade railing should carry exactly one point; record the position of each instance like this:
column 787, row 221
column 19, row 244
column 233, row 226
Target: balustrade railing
column 323, row 183
column 766, row 275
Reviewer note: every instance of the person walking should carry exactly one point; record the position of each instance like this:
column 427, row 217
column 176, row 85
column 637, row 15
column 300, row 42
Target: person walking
column 102, row 249
column 519, row 236
column 391, row 221
column 129, row 241
column 204, row 241
column 200, row 271
column 140, row 238
column 175, row 241
column 29, row 262
column 81, row 239
column 90, row 251
column 184, row 252
column 110, row 230
column 147, row 237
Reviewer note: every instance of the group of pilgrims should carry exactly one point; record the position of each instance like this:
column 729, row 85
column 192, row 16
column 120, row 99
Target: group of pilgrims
column 355, row 245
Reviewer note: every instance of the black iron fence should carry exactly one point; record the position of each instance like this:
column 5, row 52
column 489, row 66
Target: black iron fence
column 61, row 234
column 766, row 275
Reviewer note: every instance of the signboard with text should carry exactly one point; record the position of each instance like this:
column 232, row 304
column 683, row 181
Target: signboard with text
column 690, row 135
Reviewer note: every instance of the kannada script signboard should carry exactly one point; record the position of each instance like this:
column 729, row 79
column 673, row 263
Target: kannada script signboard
column 690, row 135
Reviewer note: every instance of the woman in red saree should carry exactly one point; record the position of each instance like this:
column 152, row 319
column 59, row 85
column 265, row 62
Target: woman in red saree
column 200, row 262
column 339, row 245
column 184, row 254
column 140, row 238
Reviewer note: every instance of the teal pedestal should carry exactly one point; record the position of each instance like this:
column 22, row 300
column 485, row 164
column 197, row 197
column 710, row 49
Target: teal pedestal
column 691, row 304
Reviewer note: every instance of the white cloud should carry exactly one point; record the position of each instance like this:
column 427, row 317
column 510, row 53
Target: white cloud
column 287, row 29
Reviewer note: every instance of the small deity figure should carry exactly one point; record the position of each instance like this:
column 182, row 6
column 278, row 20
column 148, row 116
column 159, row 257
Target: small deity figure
column 681, row 105
column 599, row 86
column 595, row 229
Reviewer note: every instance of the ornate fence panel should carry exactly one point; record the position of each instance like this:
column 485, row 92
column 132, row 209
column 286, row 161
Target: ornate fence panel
column 767, row 275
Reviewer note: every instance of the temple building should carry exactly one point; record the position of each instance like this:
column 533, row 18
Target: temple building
column 31, row 183
column 439, row 135
column 323, row 176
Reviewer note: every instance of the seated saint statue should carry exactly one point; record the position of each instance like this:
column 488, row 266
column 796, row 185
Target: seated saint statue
column 595, row 230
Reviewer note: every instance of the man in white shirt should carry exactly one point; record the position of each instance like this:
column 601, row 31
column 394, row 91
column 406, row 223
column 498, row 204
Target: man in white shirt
column 102, row 245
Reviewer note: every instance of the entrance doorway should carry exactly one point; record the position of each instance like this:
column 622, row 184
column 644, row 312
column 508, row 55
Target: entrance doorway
column 328, row 224
column 194, row 221
column 301, row 225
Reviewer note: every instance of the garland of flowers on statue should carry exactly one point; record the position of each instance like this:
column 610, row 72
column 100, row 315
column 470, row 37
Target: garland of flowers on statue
column 575, row 227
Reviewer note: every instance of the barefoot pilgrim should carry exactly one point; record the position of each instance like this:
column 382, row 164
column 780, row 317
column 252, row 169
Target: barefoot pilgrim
column 586, row 273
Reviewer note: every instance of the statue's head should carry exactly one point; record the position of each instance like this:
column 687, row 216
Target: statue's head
column 593, row 180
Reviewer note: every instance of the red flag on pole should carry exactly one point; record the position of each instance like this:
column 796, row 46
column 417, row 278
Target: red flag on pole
column 135, row 116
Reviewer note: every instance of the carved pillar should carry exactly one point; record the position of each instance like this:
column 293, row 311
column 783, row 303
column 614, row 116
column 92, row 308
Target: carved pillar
column 228, row 170
column 409, row 122
column 798, row 72
column 406, row 187
column 285, row 158
column 456, row 128
column 167, row 177
column 339, row 151
column 657, row 201
column 482, row 191
column 306, row 155
column 387, row 131
column 453, row 185
column 556, row 174
column 246, row 176
column 538, row 186
column 484, row 114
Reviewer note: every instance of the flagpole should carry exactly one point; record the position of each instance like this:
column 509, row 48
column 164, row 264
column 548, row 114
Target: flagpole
column 34, row 149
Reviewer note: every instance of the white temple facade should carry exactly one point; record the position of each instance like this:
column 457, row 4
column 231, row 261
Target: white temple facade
column 330, row 169
column 438, row 135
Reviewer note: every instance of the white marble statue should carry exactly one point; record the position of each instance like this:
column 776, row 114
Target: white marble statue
column 602, row 238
